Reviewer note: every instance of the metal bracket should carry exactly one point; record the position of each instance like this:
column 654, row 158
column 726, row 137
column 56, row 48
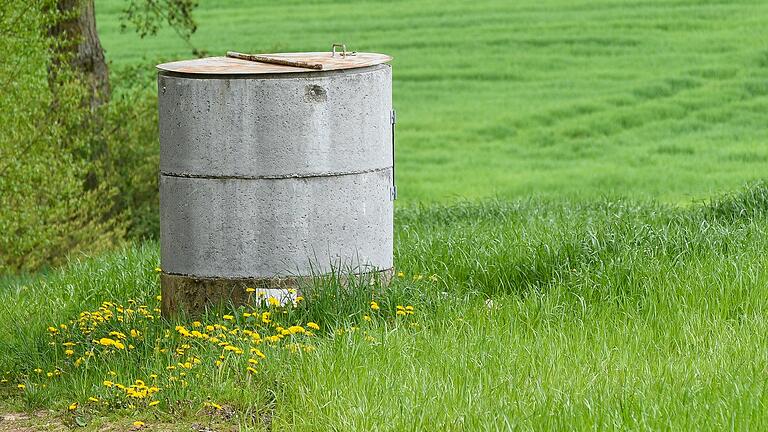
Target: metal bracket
column 393, row 191
column 344, row 53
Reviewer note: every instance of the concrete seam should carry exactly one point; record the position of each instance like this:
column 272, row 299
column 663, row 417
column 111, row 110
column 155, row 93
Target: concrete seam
column 273, row 177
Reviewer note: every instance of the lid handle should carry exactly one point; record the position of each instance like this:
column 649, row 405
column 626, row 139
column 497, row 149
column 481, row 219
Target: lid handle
column 344, row 53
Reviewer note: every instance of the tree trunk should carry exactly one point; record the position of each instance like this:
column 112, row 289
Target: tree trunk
column 77, row 44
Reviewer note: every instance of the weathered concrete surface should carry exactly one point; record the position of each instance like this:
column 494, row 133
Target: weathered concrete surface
column 276, row 125
column 269, row 180
column 235, row 228
column 192, row 295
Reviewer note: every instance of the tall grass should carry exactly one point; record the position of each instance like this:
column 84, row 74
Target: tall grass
column 609, row 314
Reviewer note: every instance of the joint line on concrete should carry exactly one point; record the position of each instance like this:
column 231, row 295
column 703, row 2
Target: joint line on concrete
column 274, row 177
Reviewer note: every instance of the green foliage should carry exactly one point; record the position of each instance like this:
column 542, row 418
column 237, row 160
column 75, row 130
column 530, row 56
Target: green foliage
column 133, row 155
column 46, row 151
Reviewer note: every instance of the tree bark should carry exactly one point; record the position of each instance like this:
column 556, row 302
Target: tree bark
column 77, row 44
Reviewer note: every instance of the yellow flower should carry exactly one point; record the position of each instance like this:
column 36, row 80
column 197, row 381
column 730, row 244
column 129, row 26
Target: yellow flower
column 253, row 361
column 158, row 298
column 73, row 406
column 135, row 333
column 250, row 290
column 69, row 352
column 119, row 345
column 108, row 383
column 106, row 341
column 400, row 312
column 296, row 329
column 251, row 370
column 228, row 317
column 93, row 399
column 158, row 269
column 400, row 274
column 374, row 306
column 299, row 298
column 265, row 318
column 38, row 370
column 53, row 329
column 367, row 317
column 196, row 324
column 273, row 301
column 214, row 405
column 153, row 403
column 138, row 424
column 21, row 386
column 313, row 325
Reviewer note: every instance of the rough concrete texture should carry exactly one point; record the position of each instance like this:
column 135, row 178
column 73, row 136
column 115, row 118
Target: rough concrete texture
column 277, row 125
column 264, row 228
column 192, row 295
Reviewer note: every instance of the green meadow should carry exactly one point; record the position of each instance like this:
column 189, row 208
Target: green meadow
column 580, row 239
column 661, row 99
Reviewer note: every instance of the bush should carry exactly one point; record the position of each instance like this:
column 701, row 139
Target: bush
column 72, row 178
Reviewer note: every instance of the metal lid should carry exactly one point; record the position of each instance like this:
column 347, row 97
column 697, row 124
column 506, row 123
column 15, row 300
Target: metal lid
column 262, row 63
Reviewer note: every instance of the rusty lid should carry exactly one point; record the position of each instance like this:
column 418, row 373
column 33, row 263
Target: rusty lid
column 250, row 64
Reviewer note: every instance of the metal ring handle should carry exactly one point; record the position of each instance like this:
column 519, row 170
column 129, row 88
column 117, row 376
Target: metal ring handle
column 343, row 50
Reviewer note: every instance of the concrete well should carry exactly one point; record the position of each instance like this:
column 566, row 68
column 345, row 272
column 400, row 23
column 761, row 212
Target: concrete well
column 270, row 176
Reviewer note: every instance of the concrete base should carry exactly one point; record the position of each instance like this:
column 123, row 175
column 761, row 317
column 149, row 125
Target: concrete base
column 192, row 295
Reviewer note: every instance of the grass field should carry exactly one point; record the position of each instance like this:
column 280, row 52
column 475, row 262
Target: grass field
column 528, row 315
column 662, row 99
column 574, row 238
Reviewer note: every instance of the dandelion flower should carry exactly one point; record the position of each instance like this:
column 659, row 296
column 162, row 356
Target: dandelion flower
column 138, row 424
column 106, row 341
column 374, row 306
column 273, row 301
column 228, row 317
column 153, row 403
column 250, row 290
column 313, row 325
column 21, row 386
column 367, row 317
column 73, row 406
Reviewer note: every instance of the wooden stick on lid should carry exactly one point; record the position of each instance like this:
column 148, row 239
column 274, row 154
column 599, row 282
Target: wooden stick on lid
column 274, row 60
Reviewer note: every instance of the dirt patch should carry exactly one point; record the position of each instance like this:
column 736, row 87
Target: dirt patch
column 25, row 422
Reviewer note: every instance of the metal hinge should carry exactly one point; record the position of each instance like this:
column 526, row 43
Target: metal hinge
column 393, row 190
